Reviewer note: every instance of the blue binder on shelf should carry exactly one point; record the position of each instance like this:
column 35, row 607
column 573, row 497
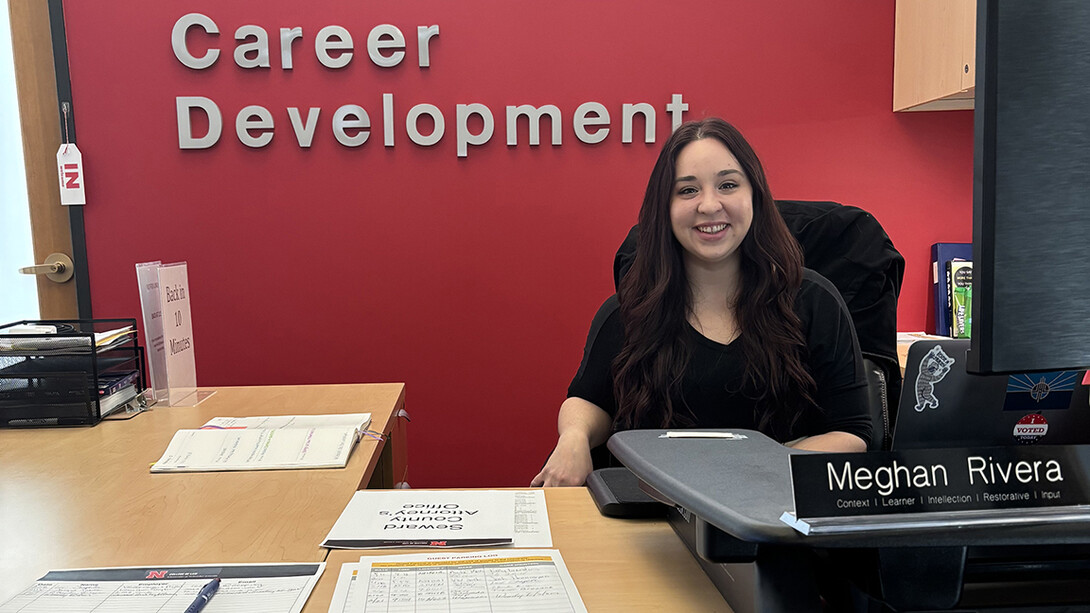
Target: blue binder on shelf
column 941, row 255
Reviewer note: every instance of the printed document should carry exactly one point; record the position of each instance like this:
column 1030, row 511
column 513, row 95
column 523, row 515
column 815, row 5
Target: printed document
column 487, row 581
column 531, row 519
column 348, row 595
column 250, row 449
column 65, row 343
column 265, row 443
column 358, row 421
column 244, row 588
column 431, row 518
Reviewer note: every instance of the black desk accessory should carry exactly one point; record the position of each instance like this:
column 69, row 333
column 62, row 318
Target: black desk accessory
column 616, row 492
column 67, row 377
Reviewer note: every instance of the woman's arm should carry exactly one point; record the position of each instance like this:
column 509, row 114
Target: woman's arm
column 836, row 364
column 582, row 425
column 830, row 441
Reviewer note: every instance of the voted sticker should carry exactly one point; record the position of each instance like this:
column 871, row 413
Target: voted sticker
column 1030, row 429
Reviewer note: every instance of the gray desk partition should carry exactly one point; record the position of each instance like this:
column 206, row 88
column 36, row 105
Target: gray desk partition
column 741, row 487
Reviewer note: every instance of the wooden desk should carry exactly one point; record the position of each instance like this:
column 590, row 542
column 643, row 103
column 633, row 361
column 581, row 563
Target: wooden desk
column 617, row 564
column 904, row 343
column 75, row 497
column 902, row 355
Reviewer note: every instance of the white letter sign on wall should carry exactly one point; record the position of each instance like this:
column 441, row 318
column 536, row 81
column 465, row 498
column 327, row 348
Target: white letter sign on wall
column 186, row 140
column 177, row 40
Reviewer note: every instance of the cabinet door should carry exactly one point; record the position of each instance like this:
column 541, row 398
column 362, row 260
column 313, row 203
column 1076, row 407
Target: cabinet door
column 934, row 57
column 967, row 21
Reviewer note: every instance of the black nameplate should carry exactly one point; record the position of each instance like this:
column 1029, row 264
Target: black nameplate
column 931, row 480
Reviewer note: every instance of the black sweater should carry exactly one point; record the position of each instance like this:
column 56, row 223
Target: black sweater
column 711, row 393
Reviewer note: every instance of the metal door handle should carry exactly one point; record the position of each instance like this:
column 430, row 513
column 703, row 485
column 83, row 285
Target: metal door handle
column 57, row 267
column 43, row 269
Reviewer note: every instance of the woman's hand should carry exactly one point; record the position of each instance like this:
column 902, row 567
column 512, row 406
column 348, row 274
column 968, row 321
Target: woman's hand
column 581, row 425
column 569, row 463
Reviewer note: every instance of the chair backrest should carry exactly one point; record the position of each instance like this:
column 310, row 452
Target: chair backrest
column 878, row 402
column 848, row 246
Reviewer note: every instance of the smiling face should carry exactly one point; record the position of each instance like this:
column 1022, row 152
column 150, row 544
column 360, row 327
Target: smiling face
column 712, row 204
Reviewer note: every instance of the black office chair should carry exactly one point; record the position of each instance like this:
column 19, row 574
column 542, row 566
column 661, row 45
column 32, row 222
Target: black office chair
column 848, row 246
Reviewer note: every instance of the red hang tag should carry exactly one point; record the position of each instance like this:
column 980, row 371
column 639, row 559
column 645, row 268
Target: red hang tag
column 70, row 171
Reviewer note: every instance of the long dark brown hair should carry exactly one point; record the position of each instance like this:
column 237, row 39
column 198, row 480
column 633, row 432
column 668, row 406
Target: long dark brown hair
column 655, row 302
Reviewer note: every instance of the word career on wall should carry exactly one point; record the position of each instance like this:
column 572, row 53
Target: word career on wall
column 351, row 123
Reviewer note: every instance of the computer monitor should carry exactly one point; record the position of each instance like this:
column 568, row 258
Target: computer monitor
column 1031, row 187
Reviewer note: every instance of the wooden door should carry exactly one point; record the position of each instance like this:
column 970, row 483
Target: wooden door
column 36, row 84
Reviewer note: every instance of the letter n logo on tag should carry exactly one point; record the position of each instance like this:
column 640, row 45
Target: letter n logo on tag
column 70, row 171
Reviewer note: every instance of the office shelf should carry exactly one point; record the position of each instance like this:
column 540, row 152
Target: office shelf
column 66, row 378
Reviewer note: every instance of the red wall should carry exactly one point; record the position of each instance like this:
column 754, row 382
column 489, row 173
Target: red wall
column 471, row 279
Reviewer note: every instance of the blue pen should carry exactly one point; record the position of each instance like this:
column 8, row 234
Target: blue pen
column 206, row 594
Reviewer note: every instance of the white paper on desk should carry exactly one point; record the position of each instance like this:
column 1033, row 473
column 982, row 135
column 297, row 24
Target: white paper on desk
column 276, row 422
column 531, row 519
column 51, row 343
column 486, row 581
column 348, row 595
column 911, row 337
column 424, row 518
column 244, row 588
column 248, row 449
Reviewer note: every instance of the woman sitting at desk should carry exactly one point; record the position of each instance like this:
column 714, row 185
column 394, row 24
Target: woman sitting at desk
column 717, row 324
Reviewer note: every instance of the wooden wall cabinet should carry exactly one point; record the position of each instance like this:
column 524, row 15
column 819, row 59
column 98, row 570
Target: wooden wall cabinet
column 934, row 60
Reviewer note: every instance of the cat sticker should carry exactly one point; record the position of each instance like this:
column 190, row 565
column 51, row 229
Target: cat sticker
column 933, row 367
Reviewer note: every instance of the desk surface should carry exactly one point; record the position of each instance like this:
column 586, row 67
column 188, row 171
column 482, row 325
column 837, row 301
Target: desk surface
column 617, row 564
column 75, row 497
